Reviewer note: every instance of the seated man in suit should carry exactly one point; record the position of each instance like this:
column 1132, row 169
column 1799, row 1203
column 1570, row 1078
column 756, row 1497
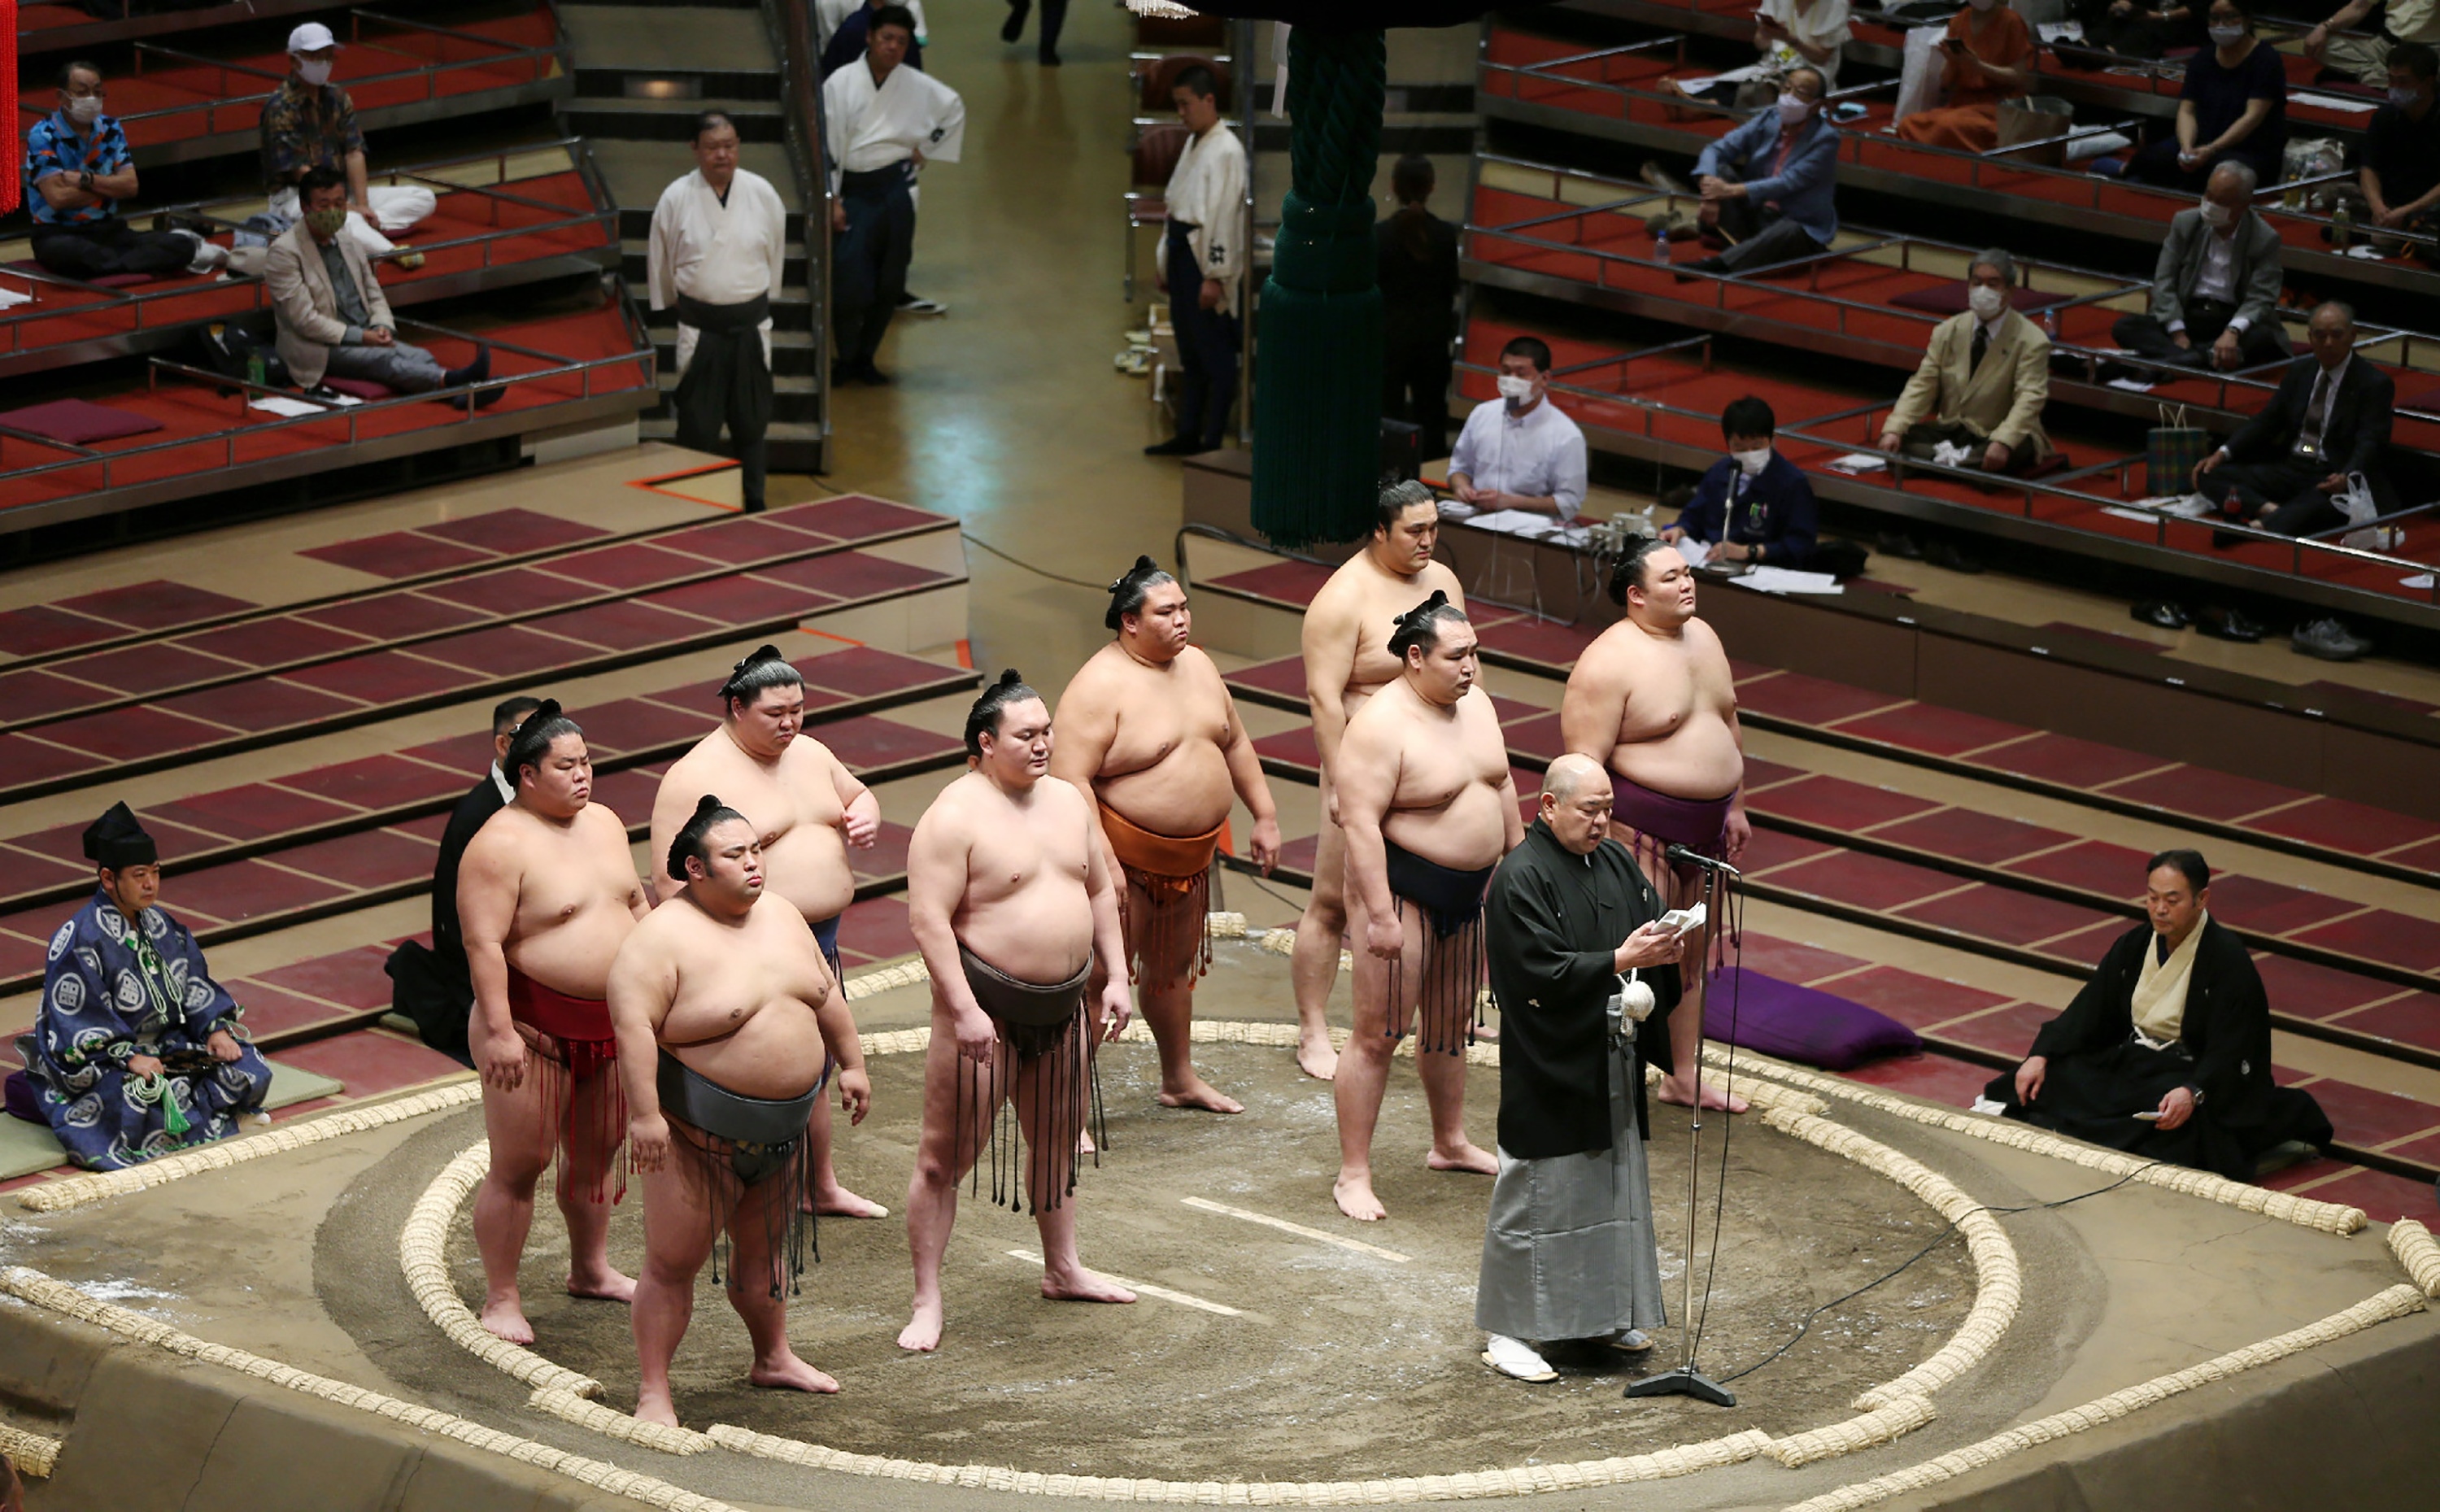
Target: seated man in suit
column 1769, row 183
column 1985, row 378
column 332, row 319
column 2166, row 1052
column 1753, row 505
column 2284, row 469
column 2216, row 291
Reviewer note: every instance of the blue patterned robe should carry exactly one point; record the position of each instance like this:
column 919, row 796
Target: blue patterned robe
column 108, row 994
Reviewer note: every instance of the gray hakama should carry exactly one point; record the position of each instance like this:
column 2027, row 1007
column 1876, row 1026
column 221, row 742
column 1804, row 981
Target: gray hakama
column 1569, row 1251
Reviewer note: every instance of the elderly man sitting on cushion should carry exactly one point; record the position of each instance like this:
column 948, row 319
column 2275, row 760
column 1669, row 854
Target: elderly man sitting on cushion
column 1985, row 379
column 2166, row 1052
column 136, row 1051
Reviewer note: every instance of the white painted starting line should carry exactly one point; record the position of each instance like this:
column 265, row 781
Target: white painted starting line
column 1297, row 1229
column 1148, row 1289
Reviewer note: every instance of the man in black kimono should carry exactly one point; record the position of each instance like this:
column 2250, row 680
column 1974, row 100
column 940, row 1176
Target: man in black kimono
column 1569, row 1254
column 432, row 986
column 2166, row 1052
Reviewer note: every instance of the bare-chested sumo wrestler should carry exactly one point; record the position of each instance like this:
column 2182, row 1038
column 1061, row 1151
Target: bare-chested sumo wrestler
column 546, row 895
column 730, row 1023
column 1147, row 728
column 1347, row 659
column 1429, row 808
column 1014, row 908
column 807, row 809
column 1653, row 700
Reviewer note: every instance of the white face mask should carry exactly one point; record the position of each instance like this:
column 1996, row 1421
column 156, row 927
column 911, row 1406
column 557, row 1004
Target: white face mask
column 87, row 111
column 2227, row 36
column 2403, row 98
column 1985, row 301
column 315, row 71
column 1793, row 110
column 1514, row 389
column 1752, row 462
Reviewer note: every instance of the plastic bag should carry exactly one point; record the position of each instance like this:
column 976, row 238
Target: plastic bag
column 1919, row 77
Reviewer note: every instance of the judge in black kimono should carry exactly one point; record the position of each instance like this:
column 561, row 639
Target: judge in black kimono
column 2166, row 1052
column 1569, row 1254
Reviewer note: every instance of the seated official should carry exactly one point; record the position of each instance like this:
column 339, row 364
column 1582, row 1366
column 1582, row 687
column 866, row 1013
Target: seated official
column 2285, row 468
column 1988, row 56
column 2397, row 164
column 332, row 318
column 1983, row 381
column 78, row 168
column 1753, row 505
column 1767, row 184
column 136, row 1049
column 2233, row 106
column 2369, row 58
column 2166, row 1052
column 2216, row 290
column 1517, row 452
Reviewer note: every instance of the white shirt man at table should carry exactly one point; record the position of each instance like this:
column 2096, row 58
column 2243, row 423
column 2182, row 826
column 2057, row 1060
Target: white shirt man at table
column 1517, row 452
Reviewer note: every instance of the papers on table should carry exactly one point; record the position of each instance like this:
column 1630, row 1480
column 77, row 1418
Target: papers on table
column 2353, row 105
column 1856, row 462
column 2132, row 386
column 1532, row 527
column 287, row 408
column 1695, row 551
column 1787, row 580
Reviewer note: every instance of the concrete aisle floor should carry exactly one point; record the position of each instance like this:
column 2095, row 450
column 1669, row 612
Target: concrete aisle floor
column 1005, row 412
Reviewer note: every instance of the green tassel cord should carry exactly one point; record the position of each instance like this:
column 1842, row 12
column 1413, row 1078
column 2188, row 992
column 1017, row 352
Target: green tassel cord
column 1318, row 400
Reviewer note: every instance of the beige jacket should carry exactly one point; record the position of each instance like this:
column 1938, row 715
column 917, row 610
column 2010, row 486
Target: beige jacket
column 310, row 323
column 2000, row 401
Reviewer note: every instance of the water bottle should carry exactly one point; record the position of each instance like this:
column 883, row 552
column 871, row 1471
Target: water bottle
column 2343, row 226
column 254, row 369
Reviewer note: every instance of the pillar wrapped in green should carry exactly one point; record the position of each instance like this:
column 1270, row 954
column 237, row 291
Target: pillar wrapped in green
column 1318, row 390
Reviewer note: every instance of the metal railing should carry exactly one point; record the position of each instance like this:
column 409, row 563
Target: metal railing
column 791, row 27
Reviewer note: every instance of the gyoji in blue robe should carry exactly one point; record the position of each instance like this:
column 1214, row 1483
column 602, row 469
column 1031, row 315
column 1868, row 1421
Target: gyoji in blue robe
column 112, row 992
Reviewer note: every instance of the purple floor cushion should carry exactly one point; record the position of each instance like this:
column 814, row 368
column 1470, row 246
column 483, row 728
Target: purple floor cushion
column 1802, row 1024
column 363, row 388
column 1949, row 298
column 17, row 1092
column 77, row 423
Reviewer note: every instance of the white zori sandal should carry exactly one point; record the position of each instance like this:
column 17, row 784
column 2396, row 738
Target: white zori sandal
column 1518, row 1359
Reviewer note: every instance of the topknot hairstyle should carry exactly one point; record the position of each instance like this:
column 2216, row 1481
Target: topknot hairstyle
column 533, row 738
column 1128, row 593
column 1629, row 571
column 984, row 716
column 1397, row 495
column 1421, row 625
column 710, row 812
column 762, row 667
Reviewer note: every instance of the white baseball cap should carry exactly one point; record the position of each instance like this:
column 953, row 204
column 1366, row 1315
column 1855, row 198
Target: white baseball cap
column 311, row 37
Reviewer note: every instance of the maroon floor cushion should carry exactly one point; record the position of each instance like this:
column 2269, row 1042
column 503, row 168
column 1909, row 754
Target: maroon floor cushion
column 363, row 388
column 75, row 421
column 1803, row 1024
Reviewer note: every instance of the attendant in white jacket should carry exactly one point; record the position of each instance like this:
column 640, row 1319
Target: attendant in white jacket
column 882, row 121
column 1202, row 265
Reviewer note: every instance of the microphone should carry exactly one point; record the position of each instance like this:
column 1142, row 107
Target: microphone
column 1680, row 855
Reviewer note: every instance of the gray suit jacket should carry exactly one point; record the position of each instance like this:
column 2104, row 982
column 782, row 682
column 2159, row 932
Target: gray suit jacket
column 2254, row 266
column 310, row 322
column 2000, row 401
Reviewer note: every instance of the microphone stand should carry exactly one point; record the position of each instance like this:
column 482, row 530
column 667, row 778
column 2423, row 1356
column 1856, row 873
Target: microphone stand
column 1685, row 1379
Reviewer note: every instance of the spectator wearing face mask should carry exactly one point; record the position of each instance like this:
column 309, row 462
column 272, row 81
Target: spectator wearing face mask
column 77, row 167
column 1768, row 185
column 1984, row 382
column 1753, row 505
column 308, row 123
column 1989, row 53
column 1517, row 452
column 2398, row 164
column 2233, row 105
column 2216, row 291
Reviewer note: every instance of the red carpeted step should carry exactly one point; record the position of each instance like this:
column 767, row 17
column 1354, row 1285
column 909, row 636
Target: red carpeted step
column 634, row 564
column 1931, row 729
column 1968, row 834
column 399, row 554
column 1912, row 998
column 850, row 575
column 2344, row 826
column 351, row 979
column 238, row 891
column 1934, row 1077
column 1292, row 583
column 364, row 861
column 390, row 616
column 886, row 860
column 2411, row 1018
column 157, row 605
column 250, row 812
column 372, row 1061
column 1835, row 803
column 1986, row 912
column 266, row 703
column 1809, row 700
column 874, row 930
column 2207, row 794
column 2384, row 1198
column 2070, row 762
column 1294, row 750
column 1773, row 848
column 2259, row 907
column 625, row 626
column 1541, row 646
column 378, row 781
column 2009, row 1031
column 628, row 794
column 514, row 531
column 35, row 692
column 512, row 590
column 2369, row 1118
column 855, row 518
column 640, row 724
column 2095, row 866
column 1284, row 677
column 270, row 642
column 2381, row 935
column 867, row 743
column 2312, row 991
column 39, row 628
column 1862, row 881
